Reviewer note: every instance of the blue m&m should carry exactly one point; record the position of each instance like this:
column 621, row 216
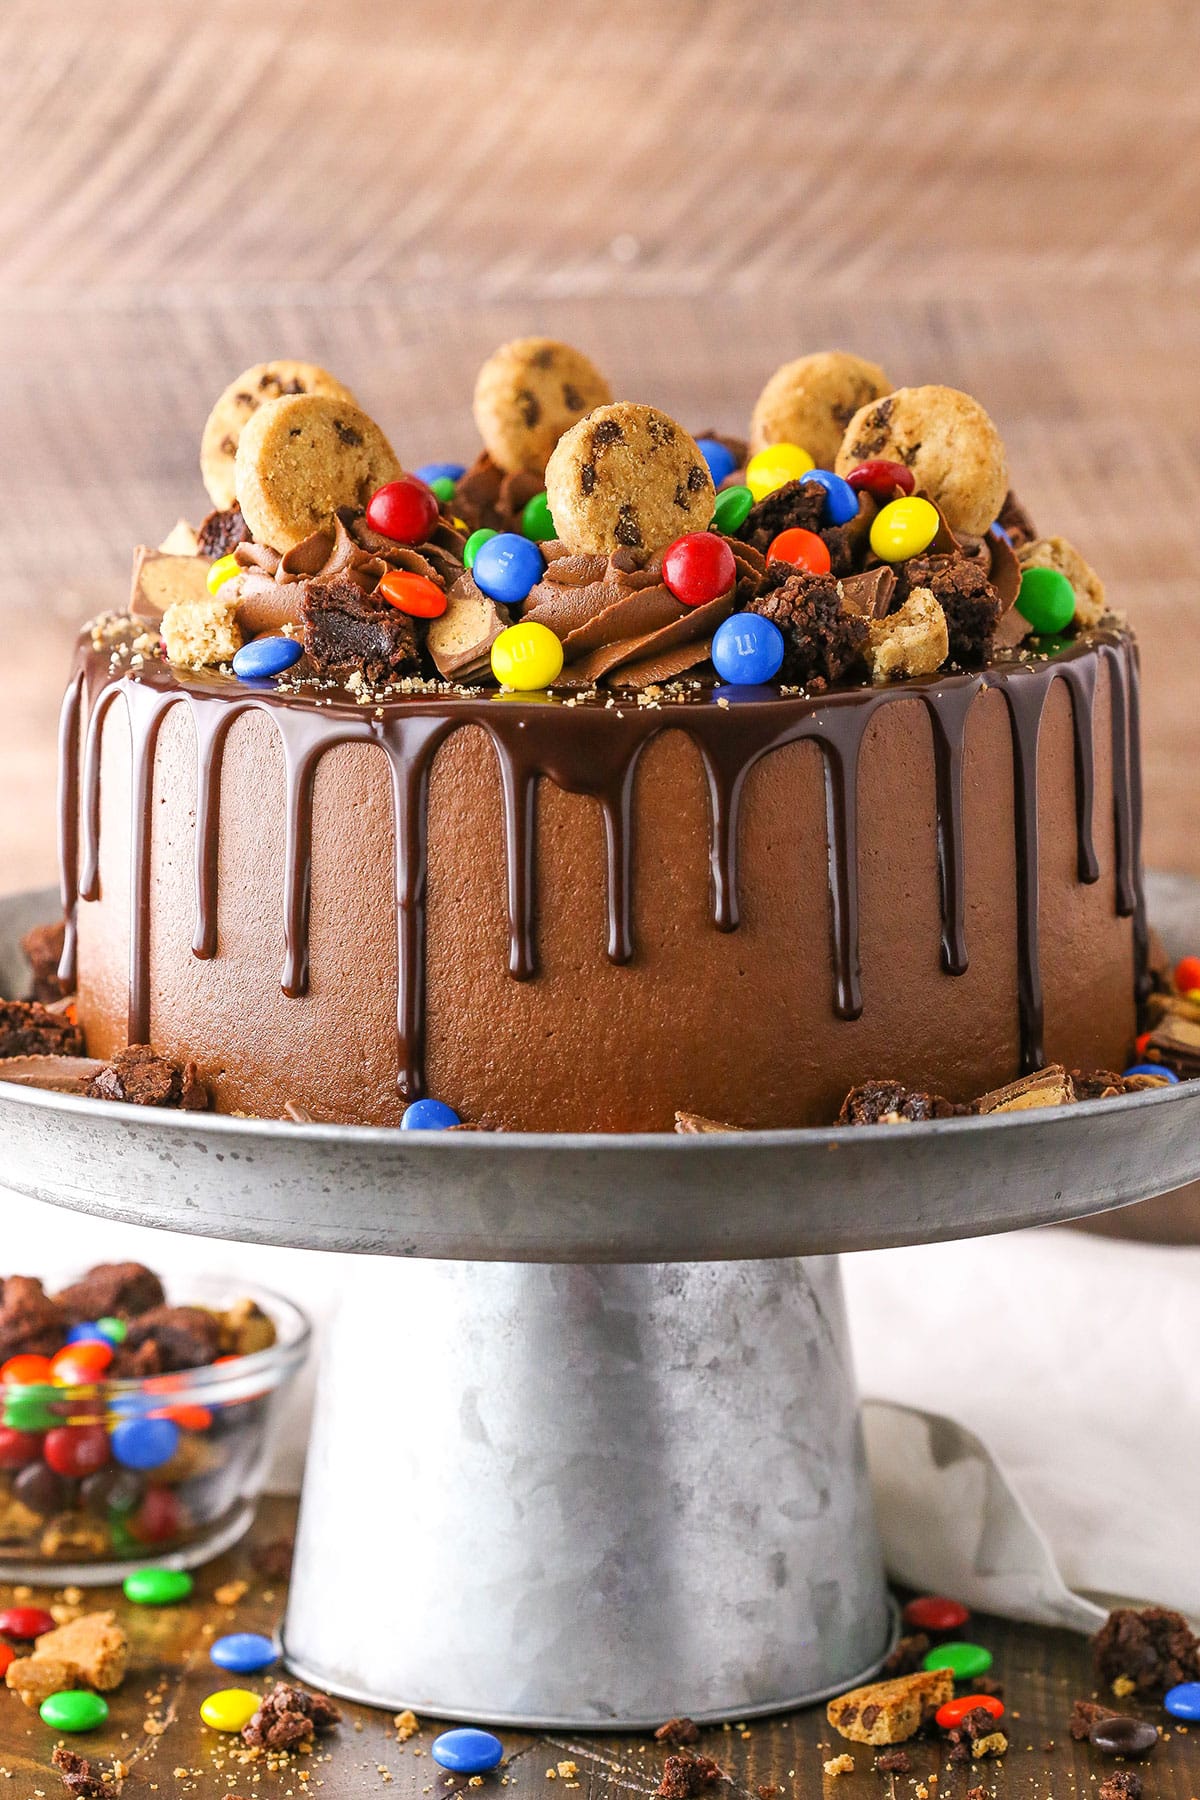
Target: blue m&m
column 719, row 457
column 1183, row 1701
column 244, row 1652
column 841, row 501
column 747, row 649
column 507, row 566
column 144, row 1443
column 266, row 656
column 1163, row 1073
column 429, row 1115
column 467, row 1750
column 439, row 471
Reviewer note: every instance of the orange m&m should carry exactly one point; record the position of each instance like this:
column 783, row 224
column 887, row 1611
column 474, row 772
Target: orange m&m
column 803, row 548
column 80, row 1364
column 1187, row 974
column 27, row 1371
column 412, row 594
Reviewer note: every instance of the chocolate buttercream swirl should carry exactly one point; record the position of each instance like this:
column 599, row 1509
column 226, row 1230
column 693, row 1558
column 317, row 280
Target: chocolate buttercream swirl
column 618, row 621
column 492, row 497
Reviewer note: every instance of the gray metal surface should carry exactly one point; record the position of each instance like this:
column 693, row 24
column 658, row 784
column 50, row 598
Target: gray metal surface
column 601, row 1495
column 597, row 1198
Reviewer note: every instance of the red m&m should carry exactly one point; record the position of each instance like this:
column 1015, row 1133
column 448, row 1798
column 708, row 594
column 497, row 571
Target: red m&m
column 881, row 478
column 803, row 548
column 25, row 1622
column 405, row 511
column 1187, row 974
column 698, row 568
column 18, row 1448
column 955, row 1711
column 932, row 1612
column 7, row 1655
column 413, row 594
column 76, row 1450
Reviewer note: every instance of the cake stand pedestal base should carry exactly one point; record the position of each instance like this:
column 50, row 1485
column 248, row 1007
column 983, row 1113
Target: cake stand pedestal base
column 566, row 1495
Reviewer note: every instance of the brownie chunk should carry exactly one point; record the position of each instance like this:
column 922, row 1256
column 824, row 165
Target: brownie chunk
column 273, row 1561
column 82, row 1778
column 344, row 628
column 971, row 604
column 823, row 639
column 43, row 947
column 31, row 1323
column 685, row 1776
column 111, row 1291
column 289, row 1717
column 1084, row 1714
column 799, row 503
column 907, row 1657
column 183, row 1337
column 1122, row 1784
column 678, row 1731
column 222, row 532
column 141, row 1077
column 28, row 1029
column 894, row 1762
column 1153, row 1648
column 977, row 1734
column 887, row 1102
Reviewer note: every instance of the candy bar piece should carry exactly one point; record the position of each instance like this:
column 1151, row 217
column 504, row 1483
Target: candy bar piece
column 460, row 642
column 245, row 1329
column 160, row 581
column 913, row 641
column 1051, row 1086
column 182, row 540
column 61, row 1074
column 890, row 1712
column 869, row 594
column 201, row 633
column 689, row 1124
column 1175, row 1039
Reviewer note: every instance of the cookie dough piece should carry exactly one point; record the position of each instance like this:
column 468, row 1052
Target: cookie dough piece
column 946, row 439
column 1057, row 553
column 890, row 1712
column 302, row 457
column 242, row 398
column 527, row 394
column 914, row 640
column 628, row 477
column 200, row 634
column 811, row 401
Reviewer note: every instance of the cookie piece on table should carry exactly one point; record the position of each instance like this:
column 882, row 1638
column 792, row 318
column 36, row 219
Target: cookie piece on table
column 890, row 1712
column 301, row 458
column 811, row 400
column 527, row 394
column 948, row 441
column 240, row 401
column 627, row 477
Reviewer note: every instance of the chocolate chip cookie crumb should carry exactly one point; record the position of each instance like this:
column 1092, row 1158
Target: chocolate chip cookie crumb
column 27, row 1028
column 1085, row 1714
column 222, row 532
column 343, row 628
column 823, row 639
column 1153, row 1648
column 43, row 948
column 1122, row 1784
column 977, row 1735
column 971, row 604
column 82, row 1778
column 141, row 1077
column 908, row 1655
column 839, row 1765
column 894, row 1762
column 685, row 1776
column 890, row 1103
column 289, row 1717
column 678, row 1731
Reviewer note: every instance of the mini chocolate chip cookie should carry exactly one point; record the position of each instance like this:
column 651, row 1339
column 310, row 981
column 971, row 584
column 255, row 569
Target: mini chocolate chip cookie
column 811, row 401
column 946, row 439
column 627, row 477
column 302, row 457
column 527, row 394
column 265, row 381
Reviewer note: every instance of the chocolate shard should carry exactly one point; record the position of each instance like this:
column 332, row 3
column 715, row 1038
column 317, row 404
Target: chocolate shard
column 1051, row 1086
column 870, row 593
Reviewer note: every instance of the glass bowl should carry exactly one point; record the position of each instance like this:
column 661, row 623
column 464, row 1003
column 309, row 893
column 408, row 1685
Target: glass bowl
column 167, row 1469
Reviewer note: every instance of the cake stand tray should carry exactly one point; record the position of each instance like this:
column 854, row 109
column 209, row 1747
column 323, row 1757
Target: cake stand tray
column 615, row 1472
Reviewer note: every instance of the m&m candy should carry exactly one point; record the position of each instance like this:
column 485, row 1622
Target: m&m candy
column 1183, row 1700
column 144, row 1443
column 841, row 501
column 263, row 657
column 732, row 509
column 413, row 594
column 719, row 457
column 527, row 657
column 31, row 1408
column 88, row 1334
column 996, row 530
column 75, row 1710
column 774, row 467
column 25, row 1371
column 963, row 1660
column 904, row 528
column 18, row 1448
column 507, row 566
column 157, row 1587
column 428, row 1115
column 699, row 567
column 803, row 548
column 955, row 1711
column 442, row 488
column 467, row 1750
column 230, row 1710
column 80, row 1364
column 933, row 1612
column 7, row 1655
column 1187, row 974
column 881, row 478
column 405, row 511
column 440, row 471
column 747, row 649
column 537, row 521
column 244, row 1652
column 475, row 543
column 1046, row 599
column 157, row 1520
column 1122, row 1735
column 1168, row 1077
column 223, row 570
column 76, row 1450
column 25, row 1622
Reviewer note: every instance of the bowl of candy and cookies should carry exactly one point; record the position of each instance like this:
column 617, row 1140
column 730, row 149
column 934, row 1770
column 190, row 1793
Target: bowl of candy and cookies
column 135, row 1427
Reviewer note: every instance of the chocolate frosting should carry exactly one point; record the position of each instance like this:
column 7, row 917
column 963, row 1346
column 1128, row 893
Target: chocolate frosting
column 492, row 497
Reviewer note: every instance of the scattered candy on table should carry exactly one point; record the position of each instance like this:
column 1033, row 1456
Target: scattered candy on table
column 507, row 566
column 880, row 478
column 25, row 1622
column 244, row 1652
column 774, row 467
column 405, row 511
column 440, row 471
column 904, row 528
column 428, row 1115
column 475, row 543
column 1123, row 1736
column 7, row 1655
column 263, row 657
column 699, row 567
column 964, row 1660
column 75, row 1710
column 1046, row 599
column 747, row 649
column 803, row 548
column 412, row 594
column 467, row 1750
column 933, row 1612
column 719, row 457
column 527, row 657
column 1183, row 1701
column 732, row 509
column 537, row 521
column 230, row 1709
column 157, row 1587
column 841, row 501
column 223, row 570
column 955, row 1711
column 144, row 1443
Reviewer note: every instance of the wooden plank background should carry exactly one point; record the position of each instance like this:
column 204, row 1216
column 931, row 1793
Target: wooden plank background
column 1002, row 196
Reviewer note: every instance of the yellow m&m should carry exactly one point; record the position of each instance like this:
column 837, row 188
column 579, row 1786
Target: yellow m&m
column 775, row 466
column 223, row 570
column 231, row 1709
column 904, row 528
column 527, row 657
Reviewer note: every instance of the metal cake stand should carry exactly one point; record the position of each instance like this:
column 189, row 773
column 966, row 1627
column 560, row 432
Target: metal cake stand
column 615, row 1470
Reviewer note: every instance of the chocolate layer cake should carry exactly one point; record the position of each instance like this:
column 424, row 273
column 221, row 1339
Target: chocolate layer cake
column 379, row 874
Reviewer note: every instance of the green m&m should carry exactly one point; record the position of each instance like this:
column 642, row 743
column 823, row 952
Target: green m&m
column 537, row 521
column 1047, row 600
column 73, row 1710
column 30, row 1409
column 732, row 509
column 443, row 487
column 474, row 545
column 964, row 1661
column 157, row 1587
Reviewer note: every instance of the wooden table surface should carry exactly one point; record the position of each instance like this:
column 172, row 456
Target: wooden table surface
column 155, row 1729
column 1004, row 196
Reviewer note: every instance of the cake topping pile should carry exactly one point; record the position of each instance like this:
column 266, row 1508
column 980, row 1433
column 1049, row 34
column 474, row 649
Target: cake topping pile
column 864, row 533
